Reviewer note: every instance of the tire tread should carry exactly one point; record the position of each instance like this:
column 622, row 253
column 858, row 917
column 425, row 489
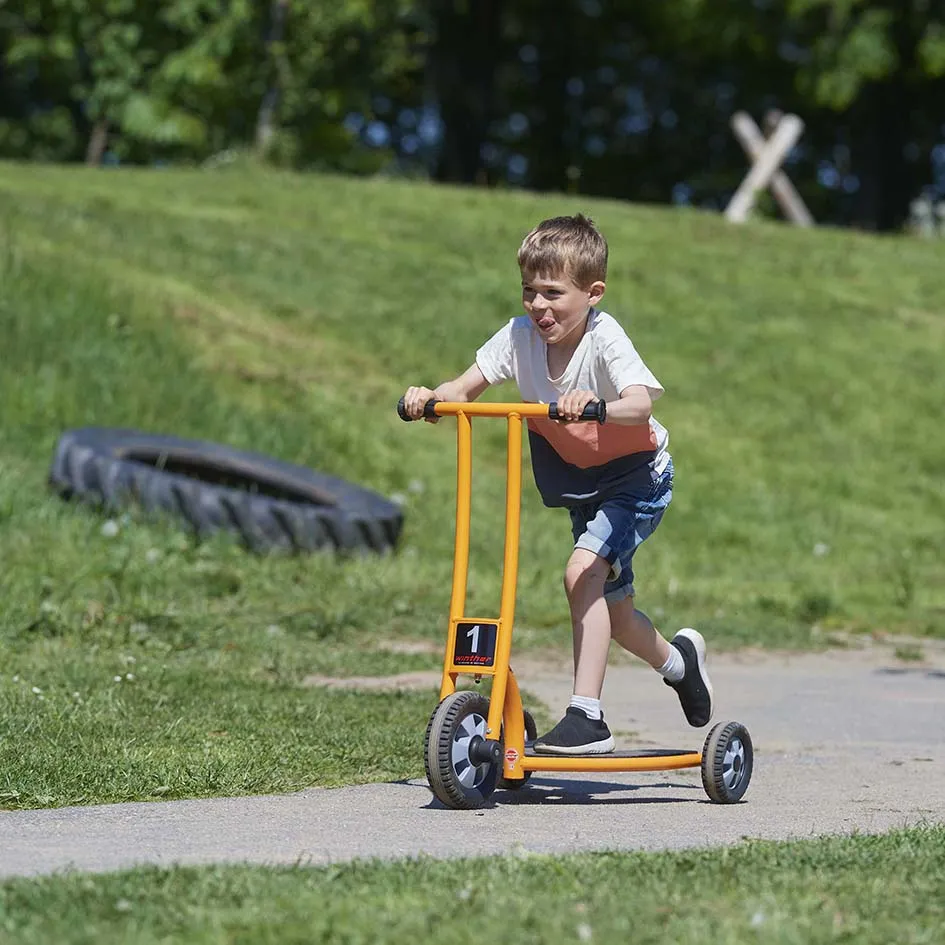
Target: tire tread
column 89, row 465
column 713, row 757
column 438, row 751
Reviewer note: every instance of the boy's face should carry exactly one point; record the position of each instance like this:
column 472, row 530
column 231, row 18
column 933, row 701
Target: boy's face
column 557, row 306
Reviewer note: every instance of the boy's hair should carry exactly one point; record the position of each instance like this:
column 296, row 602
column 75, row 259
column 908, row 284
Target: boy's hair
column 570, row 246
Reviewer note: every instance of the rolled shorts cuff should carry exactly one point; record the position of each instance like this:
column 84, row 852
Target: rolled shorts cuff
column 618, row 592
column 615, row 589
column 591, row 543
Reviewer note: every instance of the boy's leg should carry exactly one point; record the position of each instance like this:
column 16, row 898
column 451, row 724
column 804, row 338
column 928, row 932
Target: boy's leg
column 634, row 631
column 583, row 730
column 584, row 579
column 680, row 663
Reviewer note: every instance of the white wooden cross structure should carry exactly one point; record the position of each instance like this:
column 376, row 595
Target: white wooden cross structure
column 767, row 155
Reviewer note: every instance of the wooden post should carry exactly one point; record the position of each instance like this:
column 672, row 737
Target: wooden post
column 767, row 157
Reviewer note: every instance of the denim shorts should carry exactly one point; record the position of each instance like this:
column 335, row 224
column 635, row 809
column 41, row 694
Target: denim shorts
column 616, row 526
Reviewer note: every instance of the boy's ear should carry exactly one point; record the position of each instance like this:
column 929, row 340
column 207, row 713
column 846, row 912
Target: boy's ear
column 595, row 291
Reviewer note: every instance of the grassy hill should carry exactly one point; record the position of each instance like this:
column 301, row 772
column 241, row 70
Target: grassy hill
column 287, row 313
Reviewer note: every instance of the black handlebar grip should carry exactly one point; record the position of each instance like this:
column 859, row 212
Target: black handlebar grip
column 593, row 411
column 428, row 410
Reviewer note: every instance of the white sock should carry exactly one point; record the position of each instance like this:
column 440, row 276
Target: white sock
column 590, row 707
column 674, row 668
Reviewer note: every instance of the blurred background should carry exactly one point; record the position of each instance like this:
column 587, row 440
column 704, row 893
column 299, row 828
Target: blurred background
column 620, row 98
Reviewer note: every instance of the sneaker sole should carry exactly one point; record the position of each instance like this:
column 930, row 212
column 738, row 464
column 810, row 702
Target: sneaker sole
column 594, row 748
column 698, row 642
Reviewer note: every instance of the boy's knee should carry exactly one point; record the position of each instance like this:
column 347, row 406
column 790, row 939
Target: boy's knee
column 583, row 568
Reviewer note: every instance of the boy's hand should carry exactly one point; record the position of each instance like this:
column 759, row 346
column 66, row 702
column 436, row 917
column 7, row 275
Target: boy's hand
column 572, row 404
column 414, row 401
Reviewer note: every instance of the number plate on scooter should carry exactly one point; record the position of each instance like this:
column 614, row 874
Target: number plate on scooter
column 475, row 644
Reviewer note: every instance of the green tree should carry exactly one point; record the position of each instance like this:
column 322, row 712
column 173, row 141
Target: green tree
column 185, row 78
column 880, row 64
column 318, row 62
column 137, row 75
column 634, row 99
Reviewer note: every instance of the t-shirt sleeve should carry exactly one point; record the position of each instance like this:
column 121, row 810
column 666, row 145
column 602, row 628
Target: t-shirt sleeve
column 494, row 358
column 625, row 367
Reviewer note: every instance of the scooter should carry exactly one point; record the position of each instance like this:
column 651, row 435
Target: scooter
column 476, row 744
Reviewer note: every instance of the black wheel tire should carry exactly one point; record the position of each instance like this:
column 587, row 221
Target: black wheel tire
column 454, row 779
column 727, row 762
column 531, row 733
column 269, row 504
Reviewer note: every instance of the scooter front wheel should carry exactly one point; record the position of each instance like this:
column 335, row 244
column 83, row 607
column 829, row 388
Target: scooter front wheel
column 458, row 775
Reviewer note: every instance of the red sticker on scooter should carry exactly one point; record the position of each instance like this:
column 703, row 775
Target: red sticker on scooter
column 511, row 755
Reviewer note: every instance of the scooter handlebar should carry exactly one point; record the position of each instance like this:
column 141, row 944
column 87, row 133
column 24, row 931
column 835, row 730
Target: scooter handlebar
column 593, row 411
column 428, row 410
column 596, row 410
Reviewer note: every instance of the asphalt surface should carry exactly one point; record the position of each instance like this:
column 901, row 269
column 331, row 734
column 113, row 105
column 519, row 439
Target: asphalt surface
column 850, row 740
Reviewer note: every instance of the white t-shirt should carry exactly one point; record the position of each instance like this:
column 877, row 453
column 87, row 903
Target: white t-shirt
column 593, row 459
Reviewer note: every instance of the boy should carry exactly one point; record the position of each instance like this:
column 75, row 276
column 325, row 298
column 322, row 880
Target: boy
column 616, row 480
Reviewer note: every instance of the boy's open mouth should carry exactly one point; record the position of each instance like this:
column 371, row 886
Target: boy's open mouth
column 545, row 322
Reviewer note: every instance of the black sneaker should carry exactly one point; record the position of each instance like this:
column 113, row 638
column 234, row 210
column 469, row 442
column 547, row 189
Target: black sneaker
column 694, row 689
column 576, row 734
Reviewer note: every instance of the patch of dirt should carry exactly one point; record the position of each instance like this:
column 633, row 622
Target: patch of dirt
column 420, row 679
column 410, row 646
column 858, row 650
column 415, row 679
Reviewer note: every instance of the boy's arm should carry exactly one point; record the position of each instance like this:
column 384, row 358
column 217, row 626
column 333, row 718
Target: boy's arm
column 635, row 381
column 634, row 406
column 463, row 389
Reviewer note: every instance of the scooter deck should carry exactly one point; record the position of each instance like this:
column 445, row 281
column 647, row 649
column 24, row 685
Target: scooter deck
column 627, row 753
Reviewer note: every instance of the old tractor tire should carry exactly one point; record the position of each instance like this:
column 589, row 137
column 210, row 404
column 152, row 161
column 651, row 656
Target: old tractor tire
column 270, row 504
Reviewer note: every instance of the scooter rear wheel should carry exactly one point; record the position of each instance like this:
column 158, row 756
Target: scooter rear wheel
column 727, row 762
column 455, row 778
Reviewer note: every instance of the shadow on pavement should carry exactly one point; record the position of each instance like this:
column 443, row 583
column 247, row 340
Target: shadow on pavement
column 588, row 792
column 910, row 671
column 581, row 793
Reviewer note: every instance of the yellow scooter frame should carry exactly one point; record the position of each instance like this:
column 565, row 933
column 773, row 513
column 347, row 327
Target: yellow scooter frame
column 469, row 742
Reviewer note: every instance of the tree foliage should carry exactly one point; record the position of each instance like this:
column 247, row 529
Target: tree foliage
column 184, row 78
column 858, row 42
column 143, row 72
column 634, row 99
column 617, row 98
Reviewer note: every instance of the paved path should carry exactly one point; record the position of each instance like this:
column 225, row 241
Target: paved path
column 849, row 740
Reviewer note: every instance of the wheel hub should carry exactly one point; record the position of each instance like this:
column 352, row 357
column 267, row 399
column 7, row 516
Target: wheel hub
column 733, row 765
column 469, row 774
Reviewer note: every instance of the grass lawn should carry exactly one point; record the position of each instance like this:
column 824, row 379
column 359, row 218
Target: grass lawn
column 286, row 314
column 868, row 890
